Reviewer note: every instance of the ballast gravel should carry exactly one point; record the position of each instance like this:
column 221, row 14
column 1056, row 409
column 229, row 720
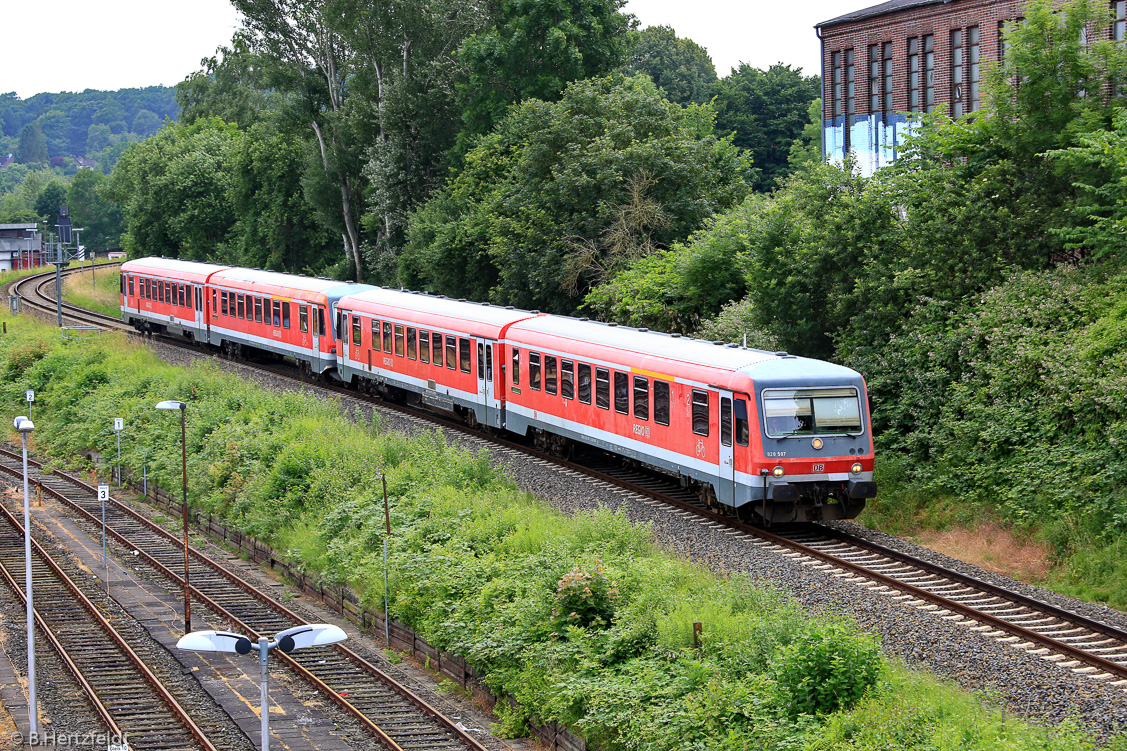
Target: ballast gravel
column 1026, row 684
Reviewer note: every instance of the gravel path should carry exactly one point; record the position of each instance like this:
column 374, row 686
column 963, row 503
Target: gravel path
column 1028, row 685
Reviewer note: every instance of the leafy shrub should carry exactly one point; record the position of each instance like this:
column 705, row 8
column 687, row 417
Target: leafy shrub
column 826, row 668
column 23, row 357
column 584, row 598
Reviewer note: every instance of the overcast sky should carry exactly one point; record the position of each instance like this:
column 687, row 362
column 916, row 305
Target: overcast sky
column 66, row 45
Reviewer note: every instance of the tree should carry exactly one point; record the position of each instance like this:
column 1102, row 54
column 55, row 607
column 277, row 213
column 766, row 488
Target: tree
column 174, row 190
column 533, row 50
column 97, row 139
column 91, row 208
column 145, row 123
column 311, row 58
column 275, row 228
column 33, row 147
column 53, row 195
column 766, row 110
column 230, row 85
column 562, row 192
column 681, row 67
column 807, row 148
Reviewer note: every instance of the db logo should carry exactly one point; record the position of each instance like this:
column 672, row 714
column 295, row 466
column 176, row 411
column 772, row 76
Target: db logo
column 819, row 468
column 700, row 447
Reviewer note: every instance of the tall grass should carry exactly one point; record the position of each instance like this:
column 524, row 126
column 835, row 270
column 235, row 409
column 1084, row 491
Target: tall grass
column 482, row 569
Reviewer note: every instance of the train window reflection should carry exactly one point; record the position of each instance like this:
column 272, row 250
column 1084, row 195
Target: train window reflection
column 700, row 412
column 451, row 353
column 641, row 398
column 464, row 361
column 584, row 383
column 621, row 393
column 742, row 427
column 411, row 345
column 424, row 346
column 661, row 402
column 725, row 421
column 516, row 366
column 436, row 351
column 549, row 374
column 796, row 412
column 567, row 379
column 534, row 370
column 602, row 388
column 399, row 340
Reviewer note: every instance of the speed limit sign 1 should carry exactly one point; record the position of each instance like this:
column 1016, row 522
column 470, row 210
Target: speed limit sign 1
column 103, row 492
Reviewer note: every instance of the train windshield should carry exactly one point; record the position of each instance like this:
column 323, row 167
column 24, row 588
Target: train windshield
column 799, row 412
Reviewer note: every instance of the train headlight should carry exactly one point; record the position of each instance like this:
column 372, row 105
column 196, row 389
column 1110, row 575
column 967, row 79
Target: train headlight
column 778, row 472
column 816, row 443
column 856, row 468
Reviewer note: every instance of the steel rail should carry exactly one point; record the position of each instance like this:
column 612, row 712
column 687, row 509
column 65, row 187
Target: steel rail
column 118, row 640
column 42, row 302
column 264, row 598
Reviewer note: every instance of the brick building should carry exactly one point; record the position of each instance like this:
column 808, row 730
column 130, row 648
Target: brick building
column 882, row 64
column 21, row 247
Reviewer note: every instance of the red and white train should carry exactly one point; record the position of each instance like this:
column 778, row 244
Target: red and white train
column 772, row 435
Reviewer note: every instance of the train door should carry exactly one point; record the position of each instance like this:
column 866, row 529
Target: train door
column 486, row 389
column 314, row 316
column 345, row 339
column 201, row 319
column 726, row 471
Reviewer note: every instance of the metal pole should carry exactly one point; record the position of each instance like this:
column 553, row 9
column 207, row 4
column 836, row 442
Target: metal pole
column 387, row 521
column 118, row 468
column 184, row 468
column 32, row 705
column 263, row 659
column 105, row 561
column 59, row 286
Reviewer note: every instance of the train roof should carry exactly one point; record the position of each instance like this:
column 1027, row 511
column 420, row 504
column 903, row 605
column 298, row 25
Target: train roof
column 307, row 288
column 764, row 367
column 190, row 271
column 418, row 307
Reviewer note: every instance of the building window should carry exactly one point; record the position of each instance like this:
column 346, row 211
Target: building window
column 914, row 74
column 974, row 100
column 957, row 73
column 888, row 76
column 850, row 93
column 1119, row 29
column 874, row 78
column 929, row 72
column 836, row 58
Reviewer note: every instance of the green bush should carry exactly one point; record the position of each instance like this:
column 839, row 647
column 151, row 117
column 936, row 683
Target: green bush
column 826, row 668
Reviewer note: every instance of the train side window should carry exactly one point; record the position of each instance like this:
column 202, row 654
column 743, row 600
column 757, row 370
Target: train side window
column 320, row 321
column 602, row 388
column 223, row 302
column 127, row 284
column 451, row 353
column 489, row 362
column 337, row 329
column 399, row 340
column 661, row 402
column 142, row 289
column 277, row 306
column 700, row 412
column 725, row 421
column 567, row 379
column 356, row 330
column 177, row 298
column 436, row 349
column 516, row 366
column 584, row 383
column 641, row 398
column 303, row 319
column 160, row 291
column 424, row 346
column 168, row 293
column 258, row 311
column 387, row 337
column 742, row 427
column 285, row 315
column 549, row 374
column 621, row 393
column 185, row 296
column 214, row 303
column 239, row 307
column 534, row 370
column 180, row 296
column 199, row 299
column 480, row 360
column 412, row 340
column 466, row 359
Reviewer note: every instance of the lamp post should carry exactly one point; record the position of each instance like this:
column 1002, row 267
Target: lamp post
column 298, row 637
column 173, row 404
column 387, row 521
column 25, row 426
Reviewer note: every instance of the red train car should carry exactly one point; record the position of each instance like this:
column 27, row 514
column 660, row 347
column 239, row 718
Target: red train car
column 166, row 295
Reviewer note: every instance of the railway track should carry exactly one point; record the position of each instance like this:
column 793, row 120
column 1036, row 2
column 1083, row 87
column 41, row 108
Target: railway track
column 32, row 293
column 398, row 718
column 127, row 694
column 1069, row 640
